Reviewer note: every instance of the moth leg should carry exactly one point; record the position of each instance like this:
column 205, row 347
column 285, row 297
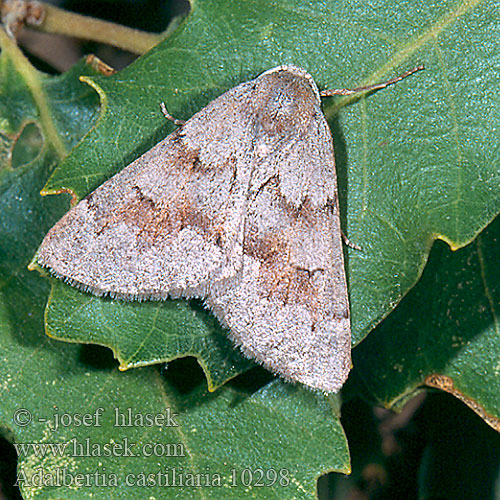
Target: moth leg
column 349, row 243
column 169, row 117
column 333, row 205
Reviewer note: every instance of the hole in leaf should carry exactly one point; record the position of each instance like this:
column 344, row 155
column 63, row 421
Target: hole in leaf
column 27, row 146
column 185, row 374
column 98, row 357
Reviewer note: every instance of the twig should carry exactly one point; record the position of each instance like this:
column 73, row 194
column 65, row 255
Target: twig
column 50, row 19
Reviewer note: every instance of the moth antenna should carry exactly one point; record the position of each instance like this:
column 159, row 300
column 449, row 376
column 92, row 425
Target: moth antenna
column 376, row 86
column 168, row 116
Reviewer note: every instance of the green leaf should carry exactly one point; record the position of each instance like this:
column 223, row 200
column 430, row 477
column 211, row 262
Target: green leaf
column 444, row 334
column 145, row 333
column 224, row 438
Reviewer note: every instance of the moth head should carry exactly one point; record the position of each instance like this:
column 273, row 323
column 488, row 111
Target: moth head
column 288, row 100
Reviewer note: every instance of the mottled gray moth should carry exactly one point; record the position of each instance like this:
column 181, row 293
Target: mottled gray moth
column 238, row 207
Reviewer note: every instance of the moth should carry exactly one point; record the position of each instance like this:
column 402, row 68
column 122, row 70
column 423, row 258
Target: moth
column 237, row 207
